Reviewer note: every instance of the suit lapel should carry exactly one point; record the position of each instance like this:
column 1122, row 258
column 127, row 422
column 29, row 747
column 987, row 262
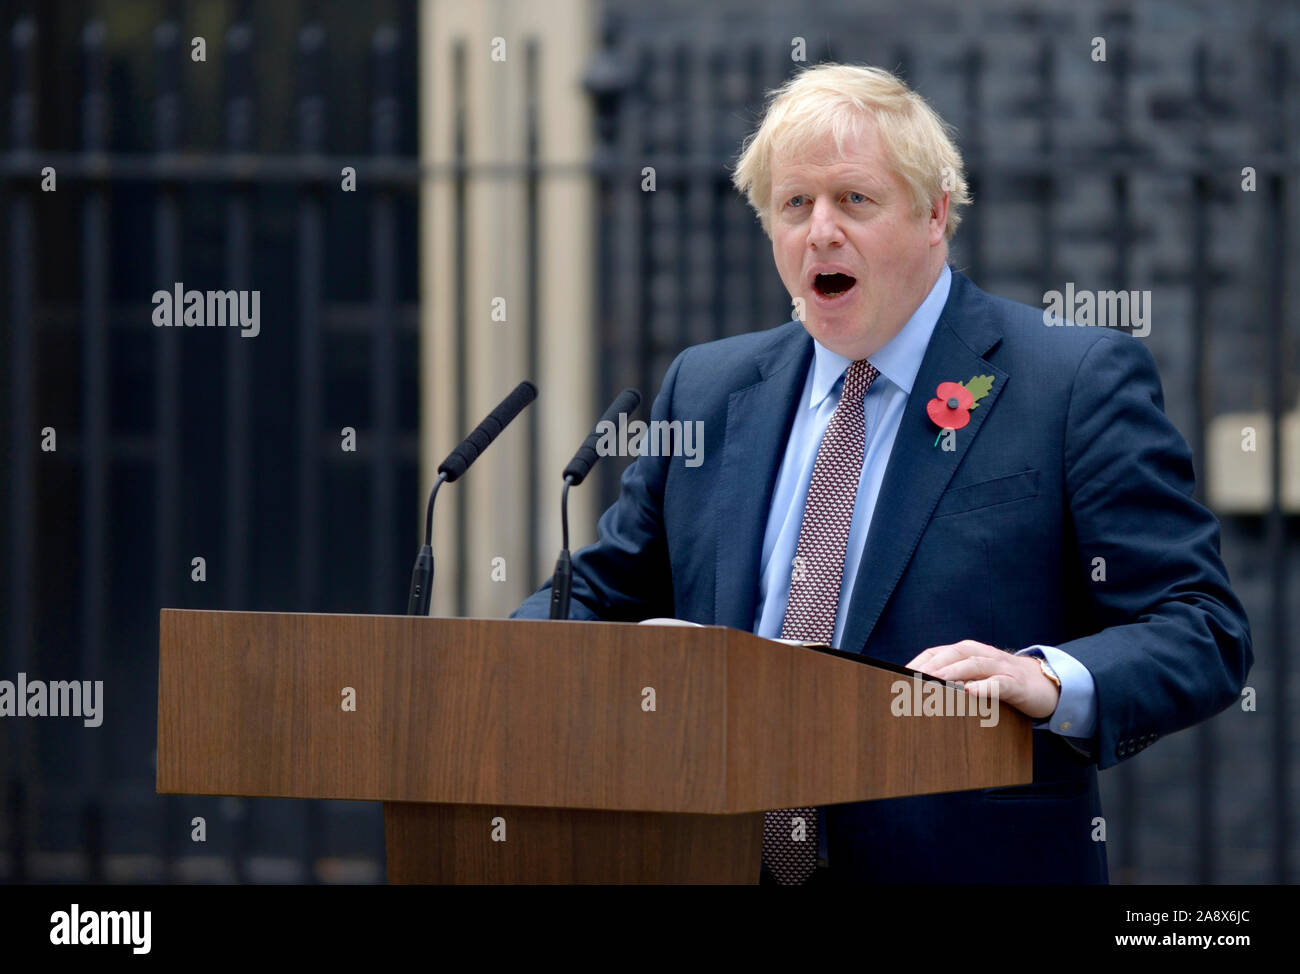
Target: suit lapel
column 918, row 471
column 758, row 423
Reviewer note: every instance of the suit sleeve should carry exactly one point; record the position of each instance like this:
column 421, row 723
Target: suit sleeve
column 625, row 575
column 1173, row 645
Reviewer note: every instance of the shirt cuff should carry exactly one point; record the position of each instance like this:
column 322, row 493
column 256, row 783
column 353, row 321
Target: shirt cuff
column 1076, row 711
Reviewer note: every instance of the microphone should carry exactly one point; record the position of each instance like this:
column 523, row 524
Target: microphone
column 586, row 457
column 452, row 469
column 459, row 460
column 574, row 474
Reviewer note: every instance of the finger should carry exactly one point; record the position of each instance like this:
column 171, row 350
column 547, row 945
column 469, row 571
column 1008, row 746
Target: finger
column 922, row 659
column 971, row 668
column 1000, row 687
column 939, row 656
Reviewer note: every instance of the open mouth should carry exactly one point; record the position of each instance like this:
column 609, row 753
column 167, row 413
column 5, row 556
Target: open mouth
column 833, row 285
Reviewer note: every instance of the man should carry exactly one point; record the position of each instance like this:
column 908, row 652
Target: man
column 926, row 474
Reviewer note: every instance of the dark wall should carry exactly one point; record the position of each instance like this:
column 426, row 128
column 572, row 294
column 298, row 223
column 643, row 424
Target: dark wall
column 181, row 443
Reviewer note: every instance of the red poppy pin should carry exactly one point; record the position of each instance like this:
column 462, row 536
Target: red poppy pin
column 950, row 409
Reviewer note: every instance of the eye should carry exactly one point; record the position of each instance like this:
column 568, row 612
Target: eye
column 794, row 200
column 856, row 197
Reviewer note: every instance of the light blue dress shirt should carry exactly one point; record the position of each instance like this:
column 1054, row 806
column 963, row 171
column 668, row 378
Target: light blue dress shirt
column 898, row 363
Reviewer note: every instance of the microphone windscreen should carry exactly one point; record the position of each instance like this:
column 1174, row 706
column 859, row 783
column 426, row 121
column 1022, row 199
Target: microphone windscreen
column 459, row 460
column 586, row 457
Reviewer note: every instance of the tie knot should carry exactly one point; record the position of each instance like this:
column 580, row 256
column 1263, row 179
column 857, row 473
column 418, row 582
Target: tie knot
column 858, row 379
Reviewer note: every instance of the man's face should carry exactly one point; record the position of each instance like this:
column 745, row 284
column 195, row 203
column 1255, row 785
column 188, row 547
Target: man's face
column 846, row 241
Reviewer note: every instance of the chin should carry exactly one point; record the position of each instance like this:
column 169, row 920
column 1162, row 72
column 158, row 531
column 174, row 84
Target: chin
column 840, row 338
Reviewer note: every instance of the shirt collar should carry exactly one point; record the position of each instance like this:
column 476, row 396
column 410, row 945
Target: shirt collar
column 899, row 360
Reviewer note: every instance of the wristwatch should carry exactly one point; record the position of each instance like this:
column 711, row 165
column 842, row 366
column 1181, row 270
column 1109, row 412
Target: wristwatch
column 1048, row 671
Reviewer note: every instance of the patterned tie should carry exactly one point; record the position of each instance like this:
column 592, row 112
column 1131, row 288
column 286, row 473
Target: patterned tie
column 815, row 589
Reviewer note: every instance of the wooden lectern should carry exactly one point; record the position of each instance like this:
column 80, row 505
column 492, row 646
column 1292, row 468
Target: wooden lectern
column 599, row 752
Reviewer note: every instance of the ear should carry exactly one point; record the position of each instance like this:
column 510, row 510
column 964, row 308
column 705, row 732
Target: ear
column 938, row 221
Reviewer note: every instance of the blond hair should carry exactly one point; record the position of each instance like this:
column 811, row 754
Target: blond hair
column 836, row 98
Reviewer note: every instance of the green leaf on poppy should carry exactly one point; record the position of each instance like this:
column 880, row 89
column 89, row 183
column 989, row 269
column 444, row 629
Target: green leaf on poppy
column 978, row 387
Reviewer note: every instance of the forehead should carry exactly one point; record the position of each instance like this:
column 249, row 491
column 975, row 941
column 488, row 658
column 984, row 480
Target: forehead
column 863, row 156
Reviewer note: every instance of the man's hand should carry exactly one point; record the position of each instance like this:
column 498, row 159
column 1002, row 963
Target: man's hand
column 985, row 670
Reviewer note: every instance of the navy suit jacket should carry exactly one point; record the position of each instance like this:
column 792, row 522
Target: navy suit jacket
column 1069, row 459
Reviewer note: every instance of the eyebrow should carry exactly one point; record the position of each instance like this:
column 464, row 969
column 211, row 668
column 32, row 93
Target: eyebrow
column 869, row 184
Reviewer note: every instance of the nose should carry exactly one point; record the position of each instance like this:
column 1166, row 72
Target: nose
column 824, row 228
